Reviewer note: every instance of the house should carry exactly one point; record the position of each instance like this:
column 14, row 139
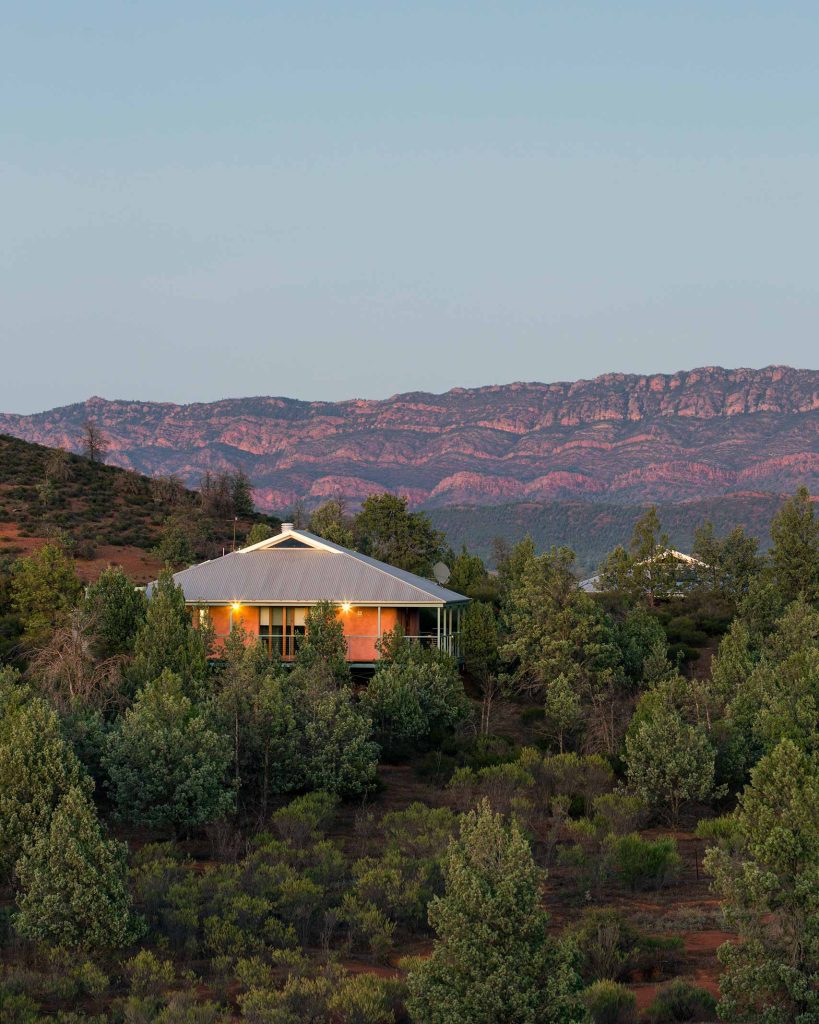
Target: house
column 686, row 565
column 270, row 586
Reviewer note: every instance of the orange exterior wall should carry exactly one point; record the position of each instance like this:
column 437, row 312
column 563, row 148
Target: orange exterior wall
column 360, row 626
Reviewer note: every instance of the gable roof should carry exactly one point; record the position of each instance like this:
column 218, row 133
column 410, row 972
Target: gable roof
column 297, row 567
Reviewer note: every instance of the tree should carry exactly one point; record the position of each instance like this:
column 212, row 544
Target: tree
column 387, row 530
column 468, row 576
column 119, row 610
column 331, row 522
column 68, row 668
column 258, row 533
column 638, row 637
column 564, row 712
column 340, row 756
column 492, row 959
column 175, row 548
column 94, row 443
column 44, row 586
column 324, row 642
column 414, row 699
column 648, row 571
column 37, row 768
column 730, row 563
column 794, row 555
column 73, row 882
column 241, row 493
column 480, row 649
column 767, row 873
column 166, row 765
column 669, row 762
column 167, row 639
column 553, row 628
column 257, row 705
column 215, row 495
column 779, row 697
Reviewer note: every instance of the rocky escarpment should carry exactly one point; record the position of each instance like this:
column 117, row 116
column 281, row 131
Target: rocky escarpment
column 618, row 438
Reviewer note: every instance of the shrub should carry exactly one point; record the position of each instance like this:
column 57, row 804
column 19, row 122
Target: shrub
column 610, row 947
column 646, row 864
column 149, row 976
column 608, row 1002
column 17, row 1009
column 681, row 1001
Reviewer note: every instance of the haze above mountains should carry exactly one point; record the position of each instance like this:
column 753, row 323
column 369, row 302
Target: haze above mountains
column 618, row 439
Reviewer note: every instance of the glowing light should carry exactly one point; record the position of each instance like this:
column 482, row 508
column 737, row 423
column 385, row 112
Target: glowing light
column 345, row 606
column 236, row 606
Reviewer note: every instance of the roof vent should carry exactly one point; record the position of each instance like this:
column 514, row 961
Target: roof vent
column 287, row 527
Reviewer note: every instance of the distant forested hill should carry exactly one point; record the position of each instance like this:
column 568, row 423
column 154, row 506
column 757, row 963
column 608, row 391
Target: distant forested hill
column 592, row 530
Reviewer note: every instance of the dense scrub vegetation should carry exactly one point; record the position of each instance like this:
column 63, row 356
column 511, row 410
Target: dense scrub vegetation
column 187, row 839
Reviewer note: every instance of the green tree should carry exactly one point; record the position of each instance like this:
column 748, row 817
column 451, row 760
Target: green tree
column 387, row 530
column 468, row 576
column 780, row 696
column 563, row 710
column 118, row 610
column 167, row 639
column 44, row 587
column 669, row 762
column 241, row 493
column 73, row 882
column 730, row 562
column 553, row 628
column 767, row 873
column 257, row 705
column 331, row 522
column 175, row 548
column 492, row 959
column 37, row 768
column 413, row 700
column 340, row 756
column 637, row 637
column 258, row 533
column 166, row 765
column 794, row 554
column 324, row 643
column 648, row 571
column 480, row 649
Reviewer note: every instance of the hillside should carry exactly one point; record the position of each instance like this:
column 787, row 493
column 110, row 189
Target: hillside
column 619, row 439
column 592, row 530
column 106, row 514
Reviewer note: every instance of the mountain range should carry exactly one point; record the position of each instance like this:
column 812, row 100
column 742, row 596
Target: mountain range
column 620, row 439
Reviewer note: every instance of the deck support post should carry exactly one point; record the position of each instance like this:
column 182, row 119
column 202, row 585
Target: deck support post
column 378, row 630
column 439, row 626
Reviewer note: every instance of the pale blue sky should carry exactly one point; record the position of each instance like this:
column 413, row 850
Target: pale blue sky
column 200, row 200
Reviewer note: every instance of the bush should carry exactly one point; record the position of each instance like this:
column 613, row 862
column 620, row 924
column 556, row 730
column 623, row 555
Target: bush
column 646, row 864
column 611, row 948
column 17, row 1009
column 610, row 1003
column 681, row 1001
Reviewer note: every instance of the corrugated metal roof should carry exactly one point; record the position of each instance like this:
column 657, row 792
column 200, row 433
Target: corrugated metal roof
column 289, row 575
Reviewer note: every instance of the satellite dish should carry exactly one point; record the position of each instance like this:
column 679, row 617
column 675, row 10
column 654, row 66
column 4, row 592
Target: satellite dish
column 440, row 572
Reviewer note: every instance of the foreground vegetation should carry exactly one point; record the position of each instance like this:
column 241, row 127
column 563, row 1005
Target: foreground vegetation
column 186, row 840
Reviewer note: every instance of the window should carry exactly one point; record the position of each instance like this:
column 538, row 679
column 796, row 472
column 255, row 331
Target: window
column 281, row 628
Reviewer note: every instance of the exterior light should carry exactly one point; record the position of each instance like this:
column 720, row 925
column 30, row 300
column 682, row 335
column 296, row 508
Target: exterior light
column 345, row 606
column 235, row 606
